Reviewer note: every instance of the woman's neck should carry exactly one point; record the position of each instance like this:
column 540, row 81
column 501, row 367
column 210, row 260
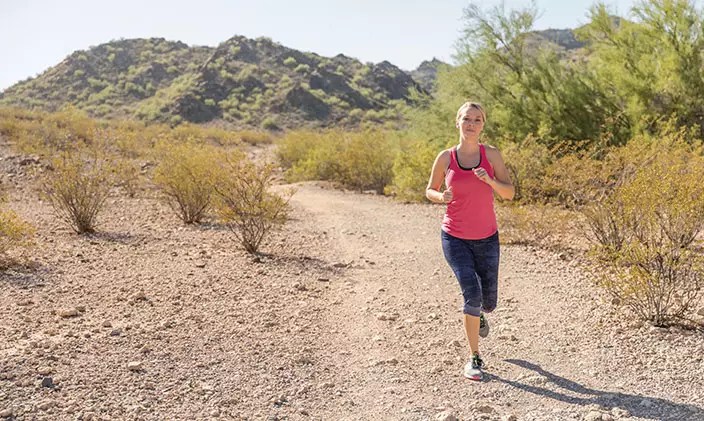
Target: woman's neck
column 469, row 142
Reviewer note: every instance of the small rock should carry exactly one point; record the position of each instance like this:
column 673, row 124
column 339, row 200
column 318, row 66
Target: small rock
column 145, row 348
column 454, row 344
column 115, row 332
column 447, row 415
column 620, row 413
column 215, row 413
column 107, row 323
column 134, row 366
column 48, row 382
column 140, row 296
column 593, row 416
column 378, row 339
column 68, row 312
column 323, row 279
column 44, row 370
column 326, row 385
column 6, row 413
column 200, row 264
column 607, row 417
column 701, row 311
column 45, row 405
column 485, row 409
column 510, row 417
column 433, row 316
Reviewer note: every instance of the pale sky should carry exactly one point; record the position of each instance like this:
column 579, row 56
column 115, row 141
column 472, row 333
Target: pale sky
column 38, row 34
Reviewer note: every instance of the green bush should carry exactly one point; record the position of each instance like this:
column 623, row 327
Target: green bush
column 269, row 123
column 302, row 68
column 411, row 171
column 527, row 162
column 290, row 62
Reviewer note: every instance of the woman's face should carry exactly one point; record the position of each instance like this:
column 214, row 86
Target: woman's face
column 471, row 123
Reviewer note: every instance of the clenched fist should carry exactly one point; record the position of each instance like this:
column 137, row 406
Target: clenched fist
column 447, row 195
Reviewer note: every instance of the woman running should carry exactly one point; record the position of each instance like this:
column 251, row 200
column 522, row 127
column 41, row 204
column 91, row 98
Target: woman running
column 472, row 172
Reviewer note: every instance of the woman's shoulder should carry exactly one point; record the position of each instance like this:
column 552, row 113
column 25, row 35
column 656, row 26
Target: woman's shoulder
column 445, row 154
column 491, row 150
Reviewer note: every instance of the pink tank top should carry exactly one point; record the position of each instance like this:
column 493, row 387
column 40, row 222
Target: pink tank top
column 470, row 215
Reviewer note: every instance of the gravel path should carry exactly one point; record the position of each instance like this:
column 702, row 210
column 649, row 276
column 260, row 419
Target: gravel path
column 351, row 313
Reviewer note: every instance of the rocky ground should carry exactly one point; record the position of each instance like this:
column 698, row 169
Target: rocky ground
column 351, row 314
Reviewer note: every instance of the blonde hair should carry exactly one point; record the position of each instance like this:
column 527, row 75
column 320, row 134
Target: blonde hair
column 466, row 106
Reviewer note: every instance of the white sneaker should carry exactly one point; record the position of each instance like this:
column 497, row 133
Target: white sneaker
column 473, row 369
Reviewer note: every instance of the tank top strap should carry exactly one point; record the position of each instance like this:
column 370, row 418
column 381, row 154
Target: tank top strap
column 482, row 153
column 453, row 158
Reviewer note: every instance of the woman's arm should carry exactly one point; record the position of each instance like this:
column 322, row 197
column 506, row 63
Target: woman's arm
column 501, row 183
column 432, row 192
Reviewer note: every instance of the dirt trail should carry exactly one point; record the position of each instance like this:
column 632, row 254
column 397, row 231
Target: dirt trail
column 351, row 313
column 556, row 351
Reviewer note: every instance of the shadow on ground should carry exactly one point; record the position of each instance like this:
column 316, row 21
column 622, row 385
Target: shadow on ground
column 25, row 275
column 637, row 405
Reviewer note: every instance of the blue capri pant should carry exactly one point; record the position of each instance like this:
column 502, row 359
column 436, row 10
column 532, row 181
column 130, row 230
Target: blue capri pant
column 476, row 266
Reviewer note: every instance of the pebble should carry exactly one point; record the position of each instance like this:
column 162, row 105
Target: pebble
column 68, row 312
column 593, row 416
column 134, row 366
column 46, row 405
column 44, row 370
column 620, row 413
column 446, row 416
column 509, row 417
column 115, row 332
column 6, row 413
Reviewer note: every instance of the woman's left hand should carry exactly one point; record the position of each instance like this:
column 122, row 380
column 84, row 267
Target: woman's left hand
column 483, row 175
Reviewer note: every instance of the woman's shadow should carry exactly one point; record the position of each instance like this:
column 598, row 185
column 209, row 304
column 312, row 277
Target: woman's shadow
column 637, row 405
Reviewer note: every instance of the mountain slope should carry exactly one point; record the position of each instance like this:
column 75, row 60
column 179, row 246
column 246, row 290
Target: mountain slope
column 242, row 81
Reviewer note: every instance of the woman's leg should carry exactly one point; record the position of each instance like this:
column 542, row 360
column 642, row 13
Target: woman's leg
column 487, row 256
column 471, row 330
column 459, row 256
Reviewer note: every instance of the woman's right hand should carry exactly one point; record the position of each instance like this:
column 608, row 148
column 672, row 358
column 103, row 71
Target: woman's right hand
column 447, row 195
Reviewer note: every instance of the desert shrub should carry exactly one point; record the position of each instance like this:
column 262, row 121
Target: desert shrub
column 254, row 137
column 323, row 159
column 290, row 61
column 269, row 123
column 186, row 175
column 527, row 162
column 127, row 176
column 644, row 232
column 367, row 160
column 245, row 204
column 295, row 146
column 77, row 189
column 14, row 232
column 411, row 170
column 541, row 225
column 359, row 161
column 302, row 68
column 579, row 178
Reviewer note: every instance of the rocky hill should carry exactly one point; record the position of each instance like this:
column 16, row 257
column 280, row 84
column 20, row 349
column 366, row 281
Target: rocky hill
column 245, row 82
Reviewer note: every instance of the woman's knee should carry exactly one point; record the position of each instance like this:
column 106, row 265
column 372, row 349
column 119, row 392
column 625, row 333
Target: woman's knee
column 471, row 310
